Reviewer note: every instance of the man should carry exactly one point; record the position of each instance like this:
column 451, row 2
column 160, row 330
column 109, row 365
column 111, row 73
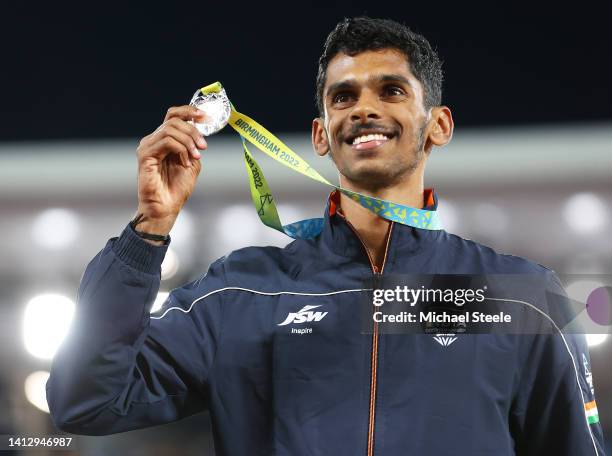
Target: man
column 226, row 342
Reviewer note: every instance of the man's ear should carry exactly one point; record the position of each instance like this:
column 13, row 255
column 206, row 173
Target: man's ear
column 440, row 127
column 320, row 142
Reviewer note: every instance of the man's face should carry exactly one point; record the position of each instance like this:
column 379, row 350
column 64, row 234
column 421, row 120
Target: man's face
column 374, row 117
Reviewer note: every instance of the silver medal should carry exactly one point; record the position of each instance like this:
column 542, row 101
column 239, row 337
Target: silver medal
column 217, row 108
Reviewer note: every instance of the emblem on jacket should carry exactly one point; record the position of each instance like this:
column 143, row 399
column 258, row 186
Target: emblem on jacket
column 304, row 315
column 587, row 373
column 445, row 339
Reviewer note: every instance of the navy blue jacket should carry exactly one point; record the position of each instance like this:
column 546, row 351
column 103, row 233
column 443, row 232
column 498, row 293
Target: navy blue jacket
column 218, row 344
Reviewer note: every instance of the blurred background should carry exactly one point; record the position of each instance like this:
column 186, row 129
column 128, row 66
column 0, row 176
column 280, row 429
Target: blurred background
column 528, row 171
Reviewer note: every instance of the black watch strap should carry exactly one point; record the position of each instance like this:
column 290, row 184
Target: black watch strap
column 149, row 236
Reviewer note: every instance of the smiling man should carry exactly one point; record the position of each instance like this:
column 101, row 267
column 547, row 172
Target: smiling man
column 377, row 120
column 270, row 339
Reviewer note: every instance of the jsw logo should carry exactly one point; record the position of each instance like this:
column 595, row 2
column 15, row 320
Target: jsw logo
column 304, row 315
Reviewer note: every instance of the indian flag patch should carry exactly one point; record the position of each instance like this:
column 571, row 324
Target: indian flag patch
column 590, row 409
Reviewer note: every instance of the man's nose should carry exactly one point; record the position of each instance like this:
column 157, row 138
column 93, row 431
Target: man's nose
column 366, row 109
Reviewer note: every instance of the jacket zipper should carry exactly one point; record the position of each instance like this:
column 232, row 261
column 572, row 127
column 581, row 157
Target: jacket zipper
column 374, row 355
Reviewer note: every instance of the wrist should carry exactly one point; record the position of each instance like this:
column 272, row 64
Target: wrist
column 153, row 231
column 153, row 225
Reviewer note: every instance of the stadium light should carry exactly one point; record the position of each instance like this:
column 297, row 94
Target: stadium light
column 35, row 390
column 46, row 321
column 56, row 228
column 586, row 213
column 595, row 339
column 159, row 300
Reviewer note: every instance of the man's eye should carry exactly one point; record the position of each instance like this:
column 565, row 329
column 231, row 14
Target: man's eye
column 393, row 91
column 343, row 97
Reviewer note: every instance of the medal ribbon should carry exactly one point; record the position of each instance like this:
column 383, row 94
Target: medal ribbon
column 251, row 131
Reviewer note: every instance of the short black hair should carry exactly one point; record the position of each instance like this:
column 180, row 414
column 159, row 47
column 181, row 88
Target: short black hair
column 352, row 36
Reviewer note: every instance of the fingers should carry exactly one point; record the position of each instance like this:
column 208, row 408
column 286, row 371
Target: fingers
column 179, row 116
column 186, row 112
column 169, row 145
column 190, row 131
column 184, row 133
column 175, row 136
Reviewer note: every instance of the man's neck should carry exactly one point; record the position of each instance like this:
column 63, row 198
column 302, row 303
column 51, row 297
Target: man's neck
column 372, row 229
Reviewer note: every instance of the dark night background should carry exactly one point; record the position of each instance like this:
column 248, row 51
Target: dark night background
column 106, row 70
column 528, row 171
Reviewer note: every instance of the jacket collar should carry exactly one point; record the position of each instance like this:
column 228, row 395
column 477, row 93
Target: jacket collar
column 339, row 237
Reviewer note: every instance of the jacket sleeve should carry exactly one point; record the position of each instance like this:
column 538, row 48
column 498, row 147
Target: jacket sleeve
column 554, row 411
column 121, row 369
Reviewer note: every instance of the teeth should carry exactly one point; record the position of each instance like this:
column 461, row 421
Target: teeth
column 366, row 138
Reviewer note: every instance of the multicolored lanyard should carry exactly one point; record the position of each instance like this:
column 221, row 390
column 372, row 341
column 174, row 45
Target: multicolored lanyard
column 251, row 131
